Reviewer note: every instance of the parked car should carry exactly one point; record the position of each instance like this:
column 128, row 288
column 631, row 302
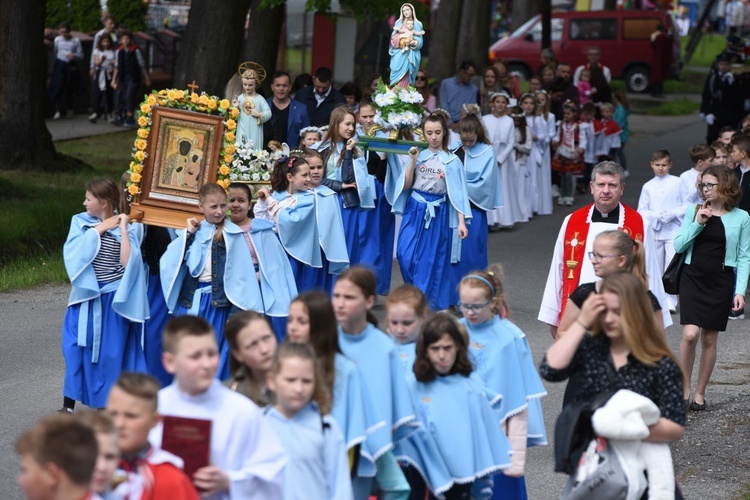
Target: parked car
column 624, row 37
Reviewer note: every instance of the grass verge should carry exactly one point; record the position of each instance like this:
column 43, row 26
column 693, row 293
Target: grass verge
column 36, row 210
column 673, row 108
column 708, row 48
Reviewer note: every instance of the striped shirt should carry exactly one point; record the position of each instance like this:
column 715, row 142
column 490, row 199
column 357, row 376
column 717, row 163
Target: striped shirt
column 107, row 264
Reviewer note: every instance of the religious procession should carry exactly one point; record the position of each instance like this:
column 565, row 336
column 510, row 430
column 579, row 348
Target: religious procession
column 303, row 293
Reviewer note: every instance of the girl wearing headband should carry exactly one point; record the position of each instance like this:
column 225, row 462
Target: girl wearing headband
column 503, row 361
column 501, row 133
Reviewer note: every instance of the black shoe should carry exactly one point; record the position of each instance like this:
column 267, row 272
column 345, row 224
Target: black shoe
column 696, row 407
column 65, row 410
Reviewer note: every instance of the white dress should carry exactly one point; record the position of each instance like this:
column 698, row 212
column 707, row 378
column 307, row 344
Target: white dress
column 524, row 185
column 545, row 130
column 501, row 132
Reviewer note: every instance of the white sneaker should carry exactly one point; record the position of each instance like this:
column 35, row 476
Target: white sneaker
column 569, row 201
column 93, row 117
column 57, row 116
column 560, row 201
column 555, row 191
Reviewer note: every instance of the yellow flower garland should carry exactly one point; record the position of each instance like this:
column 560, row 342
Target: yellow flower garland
column 181, row 99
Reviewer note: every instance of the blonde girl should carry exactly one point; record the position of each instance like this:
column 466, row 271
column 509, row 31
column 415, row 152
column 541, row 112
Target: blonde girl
column 503, row 361
column 317, row 466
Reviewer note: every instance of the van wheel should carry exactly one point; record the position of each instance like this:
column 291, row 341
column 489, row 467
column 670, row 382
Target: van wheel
column 638, row 79
column 519, row 70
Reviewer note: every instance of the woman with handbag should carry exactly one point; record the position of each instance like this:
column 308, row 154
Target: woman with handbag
column 615, row 344
column 716, row 243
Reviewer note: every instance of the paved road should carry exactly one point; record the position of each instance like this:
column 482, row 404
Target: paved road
column 31, row 365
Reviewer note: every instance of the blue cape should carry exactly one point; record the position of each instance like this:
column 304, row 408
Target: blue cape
column 498, row 364
column 298, row 228
column 483, row 177
column 354, row 411
column 240, row 284
column 407, row 353
column 331, row 229
column 377, row 359
column 458, row 411
column 130, row 300
column 277, row 285
column 535, row 390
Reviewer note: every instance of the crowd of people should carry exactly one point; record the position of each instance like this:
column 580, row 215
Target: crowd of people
column 253, row 328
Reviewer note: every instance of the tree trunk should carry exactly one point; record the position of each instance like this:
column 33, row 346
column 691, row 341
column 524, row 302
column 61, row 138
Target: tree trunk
column 263, row 37
column 523, row 11
column 444, row 39
column 24, row 139
column 474, row 33
column 212, row 45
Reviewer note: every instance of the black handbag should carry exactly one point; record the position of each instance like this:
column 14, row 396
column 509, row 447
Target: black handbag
column 673, row 272
column 671, row 277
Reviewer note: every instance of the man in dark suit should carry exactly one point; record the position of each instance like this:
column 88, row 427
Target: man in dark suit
column 321, row 98
column 722, row 100
column 288, row 117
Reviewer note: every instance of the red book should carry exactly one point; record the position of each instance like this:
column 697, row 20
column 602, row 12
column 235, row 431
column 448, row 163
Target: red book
column 189, row 439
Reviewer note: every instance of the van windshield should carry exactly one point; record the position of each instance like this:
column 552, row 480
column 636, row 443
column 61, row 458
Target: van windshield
column 525, row 26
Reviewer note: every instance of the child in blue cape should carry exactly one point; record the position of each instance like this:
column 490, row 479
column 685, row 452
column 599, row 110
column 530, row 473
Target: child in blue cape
column 308, row 222
column 378, row 250
column 346, row 174
column 406, row 311
column 317, row 465
column 207, row 270
column 377, row 359
column 483, row 187
column 272, row 268
column 154, row 243
column 431, row 196
column 252, row 344
column 103, row 325
column 312, row 320
column 456, row 407
column 503, row 361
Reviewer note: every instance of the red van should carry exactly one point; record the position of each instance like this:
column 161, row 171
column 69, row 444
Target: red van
column 624, row 37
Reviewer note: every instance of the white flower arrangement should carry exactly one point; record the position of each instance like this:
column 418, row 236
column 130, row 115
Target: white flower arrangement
column 251, row 165
column 397, row 108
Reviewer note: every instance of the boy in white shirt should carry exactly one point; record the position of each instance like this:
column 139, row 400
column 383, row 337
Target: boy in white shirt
column 247, row 460
column 662, row 204
column 702, row 155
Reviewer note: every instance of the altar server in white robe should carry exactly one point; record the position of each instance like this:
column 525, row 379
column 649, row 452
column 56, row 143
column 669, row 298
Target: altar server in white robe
column 247, row 460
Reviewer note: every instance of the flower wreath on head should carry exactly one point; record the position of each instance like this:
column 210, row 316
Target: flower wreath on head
column 187, row 101
column 310, row 129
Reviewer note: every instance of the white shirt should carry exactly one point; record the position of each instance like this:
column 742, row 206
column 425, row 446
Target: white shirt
column 320, row 98
column 662, row 204
column 502, row 134
column 243, row 443
column 64, row 47
column 688, row 191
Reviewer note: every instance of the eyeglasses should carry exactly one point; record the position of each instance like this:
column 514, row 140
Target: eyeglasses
column 421, row 78
column 596, row 257
column 707, row 185
column 473, row 307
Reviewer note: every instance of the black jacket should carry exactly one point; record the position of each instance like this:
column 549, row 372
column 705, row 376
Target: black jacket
column 319, row 115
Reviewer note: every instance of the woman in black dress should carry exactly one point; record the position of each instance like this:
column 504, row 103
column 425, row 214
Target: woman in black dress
column 715, row 237
column 616, row 334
